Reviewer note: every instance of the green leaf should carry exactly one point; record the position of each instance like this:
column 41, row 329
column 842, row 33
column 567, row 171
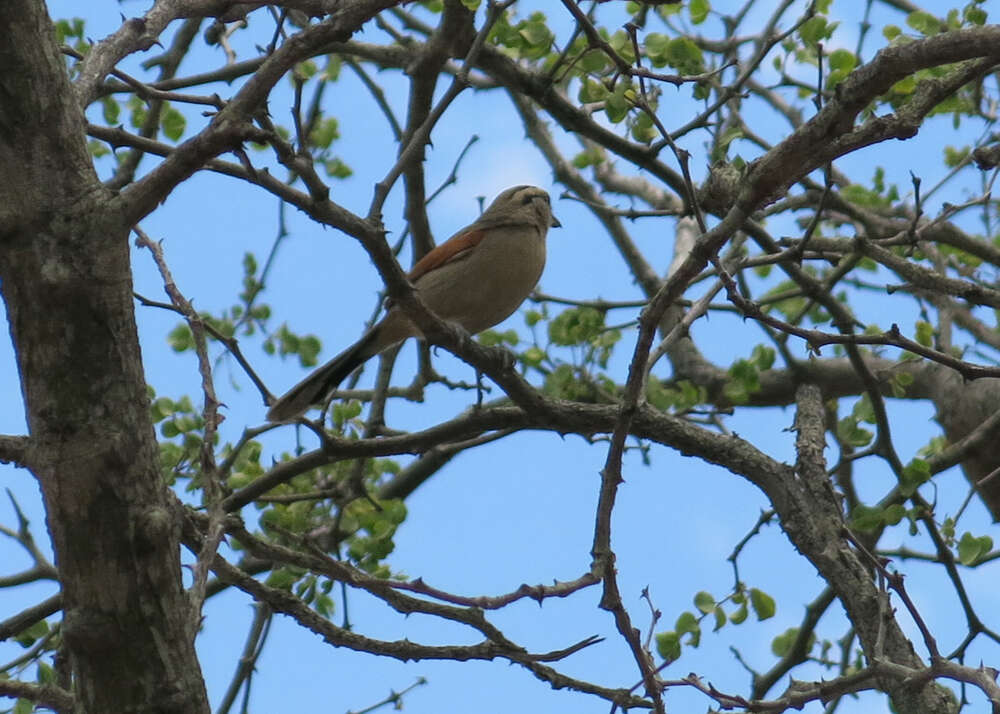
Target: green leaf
column 31, row 635
column 534, row 33
column 617, row 105
column 97, row 149
column 862, row 196
column 309, row 347
column 494, row 338
column 849, row 432
column 69, row 28
column 699, row 11
column 934, row 447
column 866, row 518
column 685, row 56
column 961, row 256
column 687, row 623
column 336, row 168
column 744, row 379
column 489, row 338
column 324, row 605
column 668, row 646
column 740, row 615
column 173, row 123
column 691, row 395
column 45, row 674
column 588, row 157
column 720, row 619
column 664, row 9
column 915, row 473
column 533, row 356
column 593, row 61
column 180, row 338
column 782, row 644
column 721, row 149
column 169, row 430
column 816, row 29
column 111, row 110
column 533, row 317
column 843, row 60
column 138, row 112
column 332, row 70
column 974, row 15
column 956, row 156
column 378, row 523
column 282, row 579
column 657, row 46
column 863, row 410
column 925, row 333
column 576, row 326
column 592, row 91
column 161, row 409
column 343, row 412
column 564, row 383
column 704, row 602
column 971, row 548
column 249, row 263
column 905, row 86
column 533, row 37
column 762, row 603
column 621, row 43
column 893, row 514
column 472, row 4
column 924, row 23
column 660, row 396
column 763, row 357
column 643, row 129
column 324, row 133
column 305, row 70
column 899, row 382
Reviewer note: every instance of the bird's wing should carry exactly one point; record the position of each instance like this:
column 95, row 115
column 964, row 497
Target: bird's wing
column 451, row 249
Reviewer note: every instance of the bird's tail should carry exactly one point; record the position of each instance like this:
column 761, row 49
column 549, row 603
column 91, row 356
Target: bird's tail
column 315, row 388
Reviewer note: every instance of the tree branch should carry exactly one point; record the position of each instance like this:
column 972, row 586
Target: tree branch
column 15, row 450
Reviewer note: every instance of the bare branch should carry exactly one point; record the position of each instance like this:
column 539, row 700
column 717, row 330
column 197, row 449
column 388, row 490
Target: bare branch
column 15, row 450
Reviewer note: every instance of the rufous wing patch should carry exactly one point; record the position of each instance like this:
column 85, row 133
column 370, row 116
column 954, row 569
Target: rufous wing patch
column 451, row 249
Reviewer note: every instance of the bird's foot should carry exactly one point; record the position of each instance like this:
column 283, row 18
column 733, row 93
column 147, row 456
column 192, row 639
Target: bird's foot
column 480, row 388
column 458, row 333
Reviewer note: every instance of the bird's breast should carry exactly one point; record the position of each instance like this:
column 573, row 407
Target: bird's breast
column 487, row 284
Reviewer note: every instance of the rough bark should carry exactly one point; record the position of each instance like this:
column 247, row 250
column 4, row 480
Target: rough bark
column 66, row 281
column 65, row 277
column 961, row 407
column 812, row 518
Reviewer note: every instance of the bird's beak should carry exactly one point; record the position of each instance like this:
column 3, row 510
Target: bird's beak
column 556, row 223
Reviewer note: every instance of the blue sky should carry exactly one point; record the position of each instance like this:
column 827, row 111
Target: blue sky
column 516, row 511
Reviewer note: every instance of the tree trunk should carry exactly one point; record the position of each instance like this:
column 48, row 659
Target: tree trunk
column 66, row 281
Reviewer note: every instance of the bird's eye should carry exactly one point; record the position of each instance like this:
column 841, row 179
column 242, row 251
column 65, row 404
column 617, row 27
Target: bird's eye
column 528, row 198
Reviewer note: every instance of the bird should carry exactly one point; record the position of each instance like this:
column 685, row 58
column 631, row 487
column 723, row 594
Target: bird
column 476, row 279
